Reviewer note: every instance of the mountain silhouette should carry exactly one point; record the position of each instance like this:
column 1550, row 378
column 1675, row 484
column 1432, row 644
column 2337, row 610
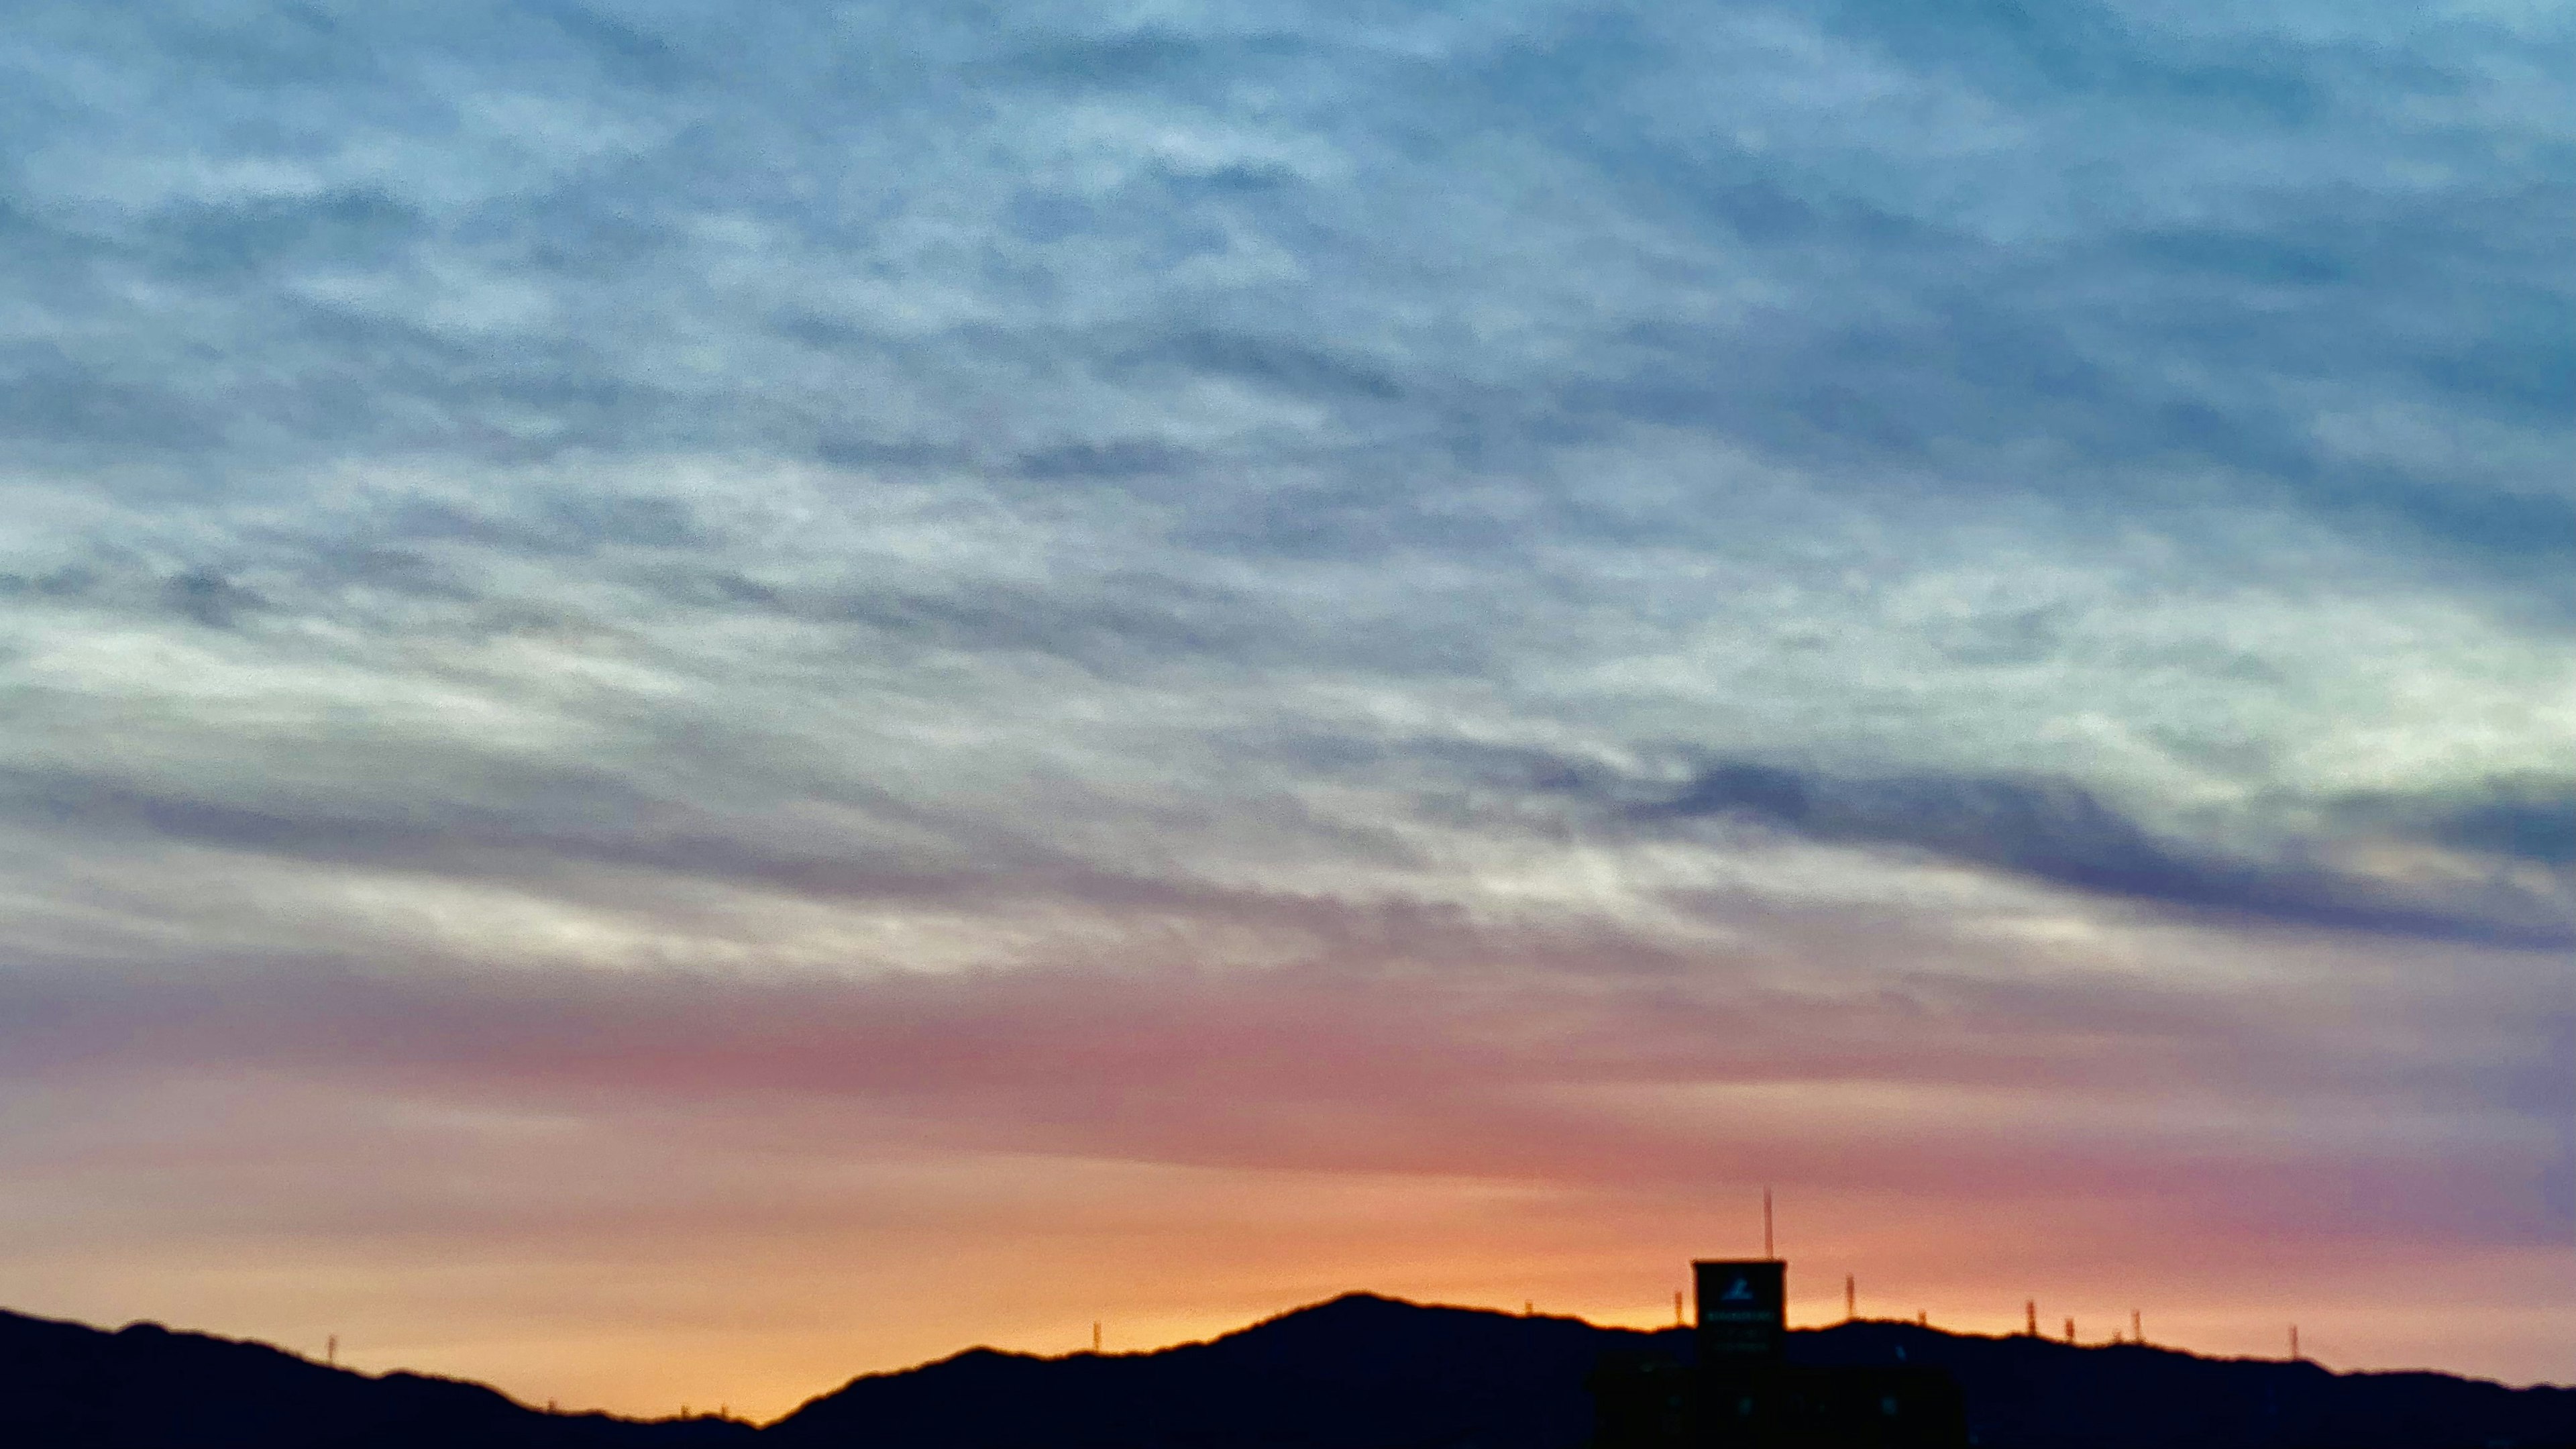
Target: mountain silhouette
column 145, row 1387
column 1359, row 1372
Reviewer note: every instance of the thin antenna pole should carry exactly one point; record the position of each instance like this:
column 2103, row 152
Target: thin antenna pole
column 1678, row 1320
column 2137, row 1330
column 2294, row 1343
column 331, row 1354
column 2070, row 1330
column 1095, row 1335
column 1769, row 1255
column 1851, row 1298
column 2030, row 1314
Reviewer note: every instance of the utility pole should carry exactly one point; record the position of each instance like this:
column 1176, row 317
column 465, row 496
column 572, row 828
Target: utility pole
column 1678, row 1320
column 1851, row 1298
column 2030, row 1315
column 2294, row 1343
column 1095, row 1335
column 2137, row 1330
column 1769, row 1255
column 2070, row 1330
column 331, row 1354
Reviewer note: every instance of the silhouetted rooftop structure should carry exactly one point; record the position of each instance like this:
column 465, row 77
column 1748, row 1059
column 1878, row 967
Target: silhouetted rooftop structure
column 1742, row 1393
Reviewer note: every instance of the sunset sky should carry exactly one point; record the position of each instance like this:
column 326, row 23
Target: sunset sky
column 699, row 697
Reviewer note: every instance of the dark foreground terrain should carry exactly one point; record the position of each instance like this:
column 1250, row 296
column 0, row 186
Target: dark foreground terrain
column 1356, row 1373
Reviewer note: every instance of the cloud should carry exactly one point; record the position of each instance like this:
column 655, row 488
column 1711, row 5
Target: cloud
column 2059, row 832
column 2530, row 819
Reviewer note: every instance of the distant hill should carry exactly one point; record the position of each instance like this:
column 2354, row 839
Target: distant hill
column 1354, row 1373
column 145, row 1387
column 1360, row 1372
column 2029, row 1393
column 1364, row 1372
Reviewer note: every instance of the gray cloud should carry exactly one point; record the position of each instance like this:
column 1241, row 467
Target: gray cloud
column 2060, row 832
column 2529, row 819
column 2542, row 829
column 1893, row 329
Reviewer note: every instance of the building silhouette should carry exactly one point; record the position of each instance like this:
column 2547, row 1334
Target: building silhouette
column 1738, row 1390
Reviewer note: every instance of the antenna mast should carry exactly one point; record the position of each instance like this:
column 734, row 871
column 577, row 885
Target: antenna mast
column 1769, row 1255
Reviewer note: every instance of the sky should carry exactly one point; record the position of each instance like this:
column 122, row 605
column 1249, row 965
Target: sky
column 700, row 698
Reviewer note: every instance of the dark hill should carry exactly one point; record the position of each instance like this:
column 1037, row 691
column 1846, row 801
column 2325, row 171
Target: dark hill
column 1357, row 1373
column 1371, row 1373
column 2029, row 1393
column 66, row 1385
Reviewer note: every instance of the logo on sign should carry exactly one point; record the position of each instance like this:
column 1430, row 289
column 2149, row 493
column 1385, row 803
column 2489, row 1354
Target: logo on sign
column 1738, row 1291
